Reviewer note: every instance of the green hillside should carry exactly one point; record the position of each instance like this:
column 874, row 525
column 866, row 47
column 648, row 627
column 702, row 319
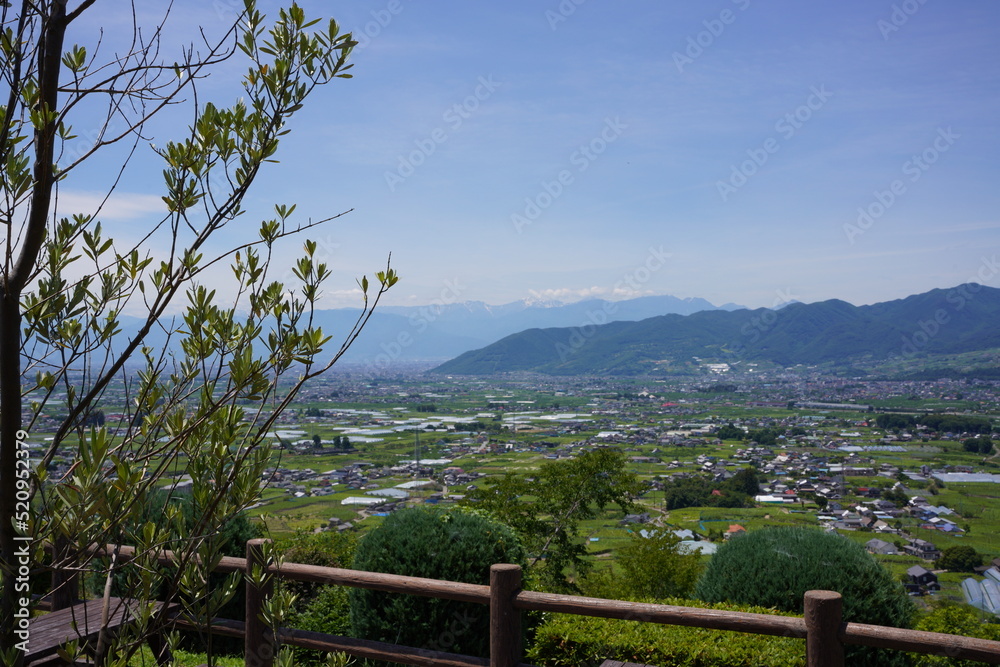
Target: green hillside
column 829, row 333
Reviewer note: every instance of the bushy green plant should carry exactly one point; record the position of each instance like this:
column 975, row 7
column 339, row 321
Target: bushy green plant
column 774, row 567
column 328, row 612
column 318, row 607
column 326, row 549
column 564, row 639
column 452, row 545
column 546, row 509
column 954, row 619
column 959, row 559
column 231, row 538
column 652, row 567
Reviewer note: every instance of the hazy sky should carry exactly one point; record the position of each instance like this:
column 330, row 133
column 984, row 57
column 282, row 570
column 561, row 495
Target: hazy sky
column 736, row 150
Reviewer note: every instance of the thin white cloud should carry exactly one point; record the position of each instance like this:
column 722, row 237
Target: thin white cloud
column 951, row 229
column 570, row 294
column 119, row 206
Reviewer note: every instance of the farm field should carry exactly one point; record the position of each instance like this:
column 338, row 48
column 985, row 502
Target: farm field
column 489, row 428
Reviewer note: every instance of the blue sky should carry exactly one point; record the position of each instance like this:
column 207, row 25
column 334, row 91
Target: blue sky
column 734, row 150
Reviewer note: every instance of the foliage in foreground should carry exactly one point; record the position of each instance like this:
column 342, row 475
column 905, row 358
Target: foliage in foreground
column 327, row 549
column 959, row 559
column 454, row 545
column 653, row 567
column 954, row 619
column 201, row 375
column 576, row 641
column 319, row 607
column 774, row 567
column 546, row 509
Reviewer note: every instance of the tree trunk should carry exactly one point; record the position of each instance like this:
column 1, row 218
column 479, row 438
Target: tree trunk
column 50, row 44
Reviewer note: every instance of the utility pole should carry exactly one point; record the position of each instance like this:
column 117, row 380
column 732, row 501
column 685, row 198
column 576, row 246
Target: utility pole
column 416, row 452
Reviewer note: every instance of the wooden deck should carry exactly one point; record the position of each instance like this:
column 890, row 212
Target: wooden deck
column 81, row 622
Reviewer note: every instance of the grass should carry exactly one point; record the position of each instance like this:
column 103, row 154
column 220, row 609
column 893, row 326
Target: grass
column 184, row 658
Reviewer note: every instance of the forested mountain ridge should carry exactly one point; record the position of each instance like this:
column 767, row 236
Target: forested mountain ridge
column 942, row 321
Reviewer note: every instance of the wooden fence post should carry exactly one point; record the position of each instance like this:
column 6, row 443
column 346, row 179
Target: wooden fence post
column 823, row 615
column 505, row 620
column 258, row 641
column 65, row 581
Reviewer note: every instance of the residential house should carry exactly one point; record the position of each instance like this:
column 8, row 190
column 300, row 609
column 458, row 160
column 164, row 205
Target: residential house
column 880, row 547
column 923, row 577
column 922, row 549
column 734, row 529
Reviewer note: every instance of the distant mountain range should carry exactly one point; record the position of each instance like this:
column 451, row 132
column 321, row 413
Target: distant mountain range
column 829, row 333
column 437, row 332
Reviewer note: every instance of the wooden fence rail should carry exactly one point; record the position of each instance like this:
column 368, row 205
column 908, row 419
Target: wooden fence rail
column 821, row 627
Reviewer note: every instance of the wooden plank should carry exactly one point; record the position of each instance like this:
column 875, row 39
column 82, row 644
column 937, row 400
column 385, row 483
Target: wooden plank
column 932, row 643
column 374, row 650
column 715, row 619
column 850, row 633
column 390, row 583
column 50, row 632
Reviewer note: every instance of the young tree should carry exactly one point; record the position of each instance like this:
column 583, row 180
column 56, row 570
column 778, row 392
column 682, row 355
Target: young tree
column 208, row 391
column 959, row 559
column 654, row 567
column 745, row 481
column 546, row 509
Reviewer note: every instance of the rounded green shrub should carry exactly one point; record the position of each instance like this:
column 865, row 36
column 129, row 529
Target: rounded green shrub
column 453, row 545
column 774, row 567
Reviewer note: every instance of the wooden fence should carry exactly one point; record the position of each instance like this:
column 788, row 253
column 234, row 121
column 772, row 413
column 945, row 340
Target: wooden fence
column 821, row 627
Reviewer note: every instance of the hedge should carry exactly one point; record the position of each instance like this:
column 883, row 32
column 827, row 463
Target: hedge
column 578, row 641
